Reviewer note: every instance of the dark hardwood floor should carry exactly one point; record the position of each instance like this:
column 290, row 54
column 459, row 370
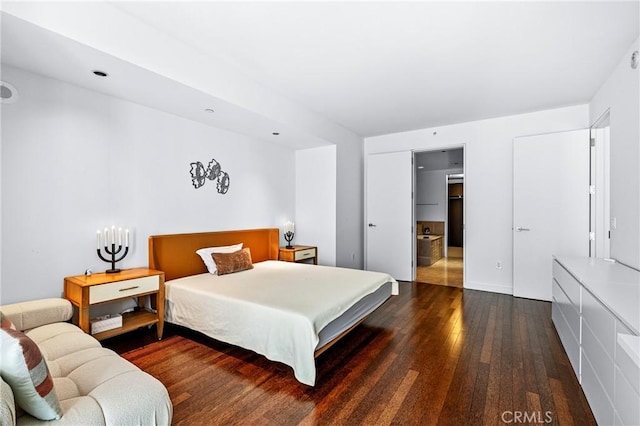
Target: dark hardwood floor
column 433, row 355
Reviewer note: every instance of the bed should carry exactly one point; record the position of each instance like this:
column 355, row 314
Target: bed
column 288, row 312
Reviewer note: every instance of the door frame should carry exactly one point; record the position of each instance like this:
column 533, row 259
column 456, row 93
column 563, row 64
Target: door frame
column 599, row 178
column 462, row 146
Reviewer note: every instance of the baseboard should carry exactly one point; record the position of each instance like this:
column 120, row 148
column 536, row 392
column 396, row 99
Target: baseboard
column 493, row 288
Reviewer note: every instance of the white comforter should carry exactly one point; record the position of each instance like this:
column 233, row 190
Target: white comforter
column 276, row 309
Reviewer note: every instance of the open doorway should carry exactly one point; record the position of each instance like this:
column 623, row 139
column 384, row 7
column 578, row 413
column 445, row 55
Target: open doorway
column 439, row 215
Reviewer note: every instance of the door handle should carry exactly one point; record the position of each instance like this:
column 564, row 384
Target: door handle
column 371, row 225
column 521, row 229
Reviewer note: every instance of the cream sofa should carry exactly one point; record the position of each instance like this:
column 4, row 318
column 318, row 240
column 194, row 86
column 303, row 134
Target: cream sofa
column 94, row 385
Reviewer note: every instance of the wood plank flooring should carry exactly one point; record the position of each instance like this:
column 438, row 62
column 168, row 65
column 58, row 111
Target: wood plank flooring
column 446, row 271
column 433, row 355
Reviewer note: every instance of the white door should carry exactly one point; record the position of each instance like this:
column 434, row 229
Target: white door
column 550, row 207
column 389, row 214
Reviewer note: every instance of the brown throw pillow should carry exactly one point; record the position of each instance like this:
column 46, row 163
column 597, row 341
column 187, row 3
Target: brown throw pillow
column 237, row 261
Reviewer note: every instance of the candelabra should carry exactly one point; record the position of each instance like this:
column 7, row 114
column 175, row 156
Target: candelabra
column 113, row 251
column 288, row 236
column 289, row 229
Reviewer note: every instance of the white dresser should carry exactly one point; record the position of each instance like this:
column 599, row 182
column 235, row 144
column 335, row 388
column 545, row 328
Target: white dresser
column 596, row 312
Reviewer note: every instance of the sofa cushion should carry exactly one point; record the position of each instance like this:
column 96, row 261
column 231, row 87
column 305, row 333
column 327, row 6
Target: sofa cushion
column 60, row 339
column 123, row 408
column 26, row 371
column 86, row 411
column 65, row 365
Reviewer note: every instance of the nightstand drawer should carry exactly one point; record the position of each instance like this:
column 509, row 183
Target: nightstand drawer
column 120, row 289
column 305, row 254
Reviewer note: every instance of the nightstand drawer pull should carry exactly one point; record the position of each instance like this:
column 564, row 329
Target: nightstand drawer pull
column 129, row 288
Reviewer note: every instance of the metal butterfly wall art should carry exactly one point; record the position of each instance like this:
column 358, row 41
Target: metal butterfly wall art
column 200, row 175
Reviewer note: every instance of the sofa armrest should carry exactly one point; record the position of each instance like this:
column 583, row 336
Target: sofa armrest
column 28, row 315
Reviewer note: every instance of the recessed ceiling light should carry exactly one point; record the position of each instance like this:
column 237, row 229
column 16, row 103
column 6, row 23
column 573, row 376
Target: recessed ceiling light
column 275, row 133
column 100, row 73
column 209, row 110
column 421, row 167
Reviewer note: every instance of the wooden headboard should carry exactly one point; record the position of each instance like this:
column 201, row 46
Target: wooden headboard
column 176, row 256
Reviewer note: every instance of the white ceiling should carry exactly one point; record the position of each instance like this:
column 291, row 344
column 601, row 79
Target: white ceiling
column 383, row 67
column 44, row 52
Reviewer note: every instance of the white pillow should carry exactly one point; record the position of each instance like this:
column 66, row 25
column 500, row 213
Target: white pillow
column 205, row 254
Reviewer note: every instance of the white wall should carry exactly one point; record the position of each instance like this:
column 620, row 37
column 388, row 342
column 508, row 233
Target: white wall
column 621, row 94
column 350, row 205
column 315, row 214
column 488, row 181
column 138, row 43
column 74, row 161
column 431, row 195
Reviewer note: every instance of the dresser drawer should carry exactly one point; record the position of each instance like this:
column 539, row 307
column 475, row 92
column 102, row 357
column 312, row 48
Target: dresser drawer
column 599, row 401
column 625, row 363
column 570, row 312
column 601, row 322
column 120, row 289
column 305, row 254
column 601, row 359
column 570, row 285
column 569, row 342
column 627, row 401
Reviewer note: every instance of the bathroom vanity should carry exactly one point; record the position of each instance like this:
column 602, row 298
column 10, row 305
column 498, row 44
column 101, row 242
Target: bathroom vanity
column 430, row 249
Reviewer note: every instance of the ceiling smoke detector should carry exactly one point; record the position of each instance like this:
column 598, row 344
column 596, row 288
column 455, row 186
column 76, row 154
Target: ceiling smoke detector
column 8, row 93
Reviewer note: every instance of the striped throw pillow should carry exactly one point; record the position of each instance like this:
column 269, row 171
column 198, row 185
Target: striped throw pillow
column 26, row 371
column 5, row 322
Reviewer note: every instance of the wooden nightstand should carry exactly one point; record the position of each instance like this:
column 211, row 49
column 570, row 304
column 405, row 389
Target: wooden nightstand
column 299, row 254
column 86, row 291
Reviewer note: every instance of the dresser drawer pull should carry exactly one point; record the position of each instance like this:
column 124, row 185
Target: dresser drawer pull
column 129, row 288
